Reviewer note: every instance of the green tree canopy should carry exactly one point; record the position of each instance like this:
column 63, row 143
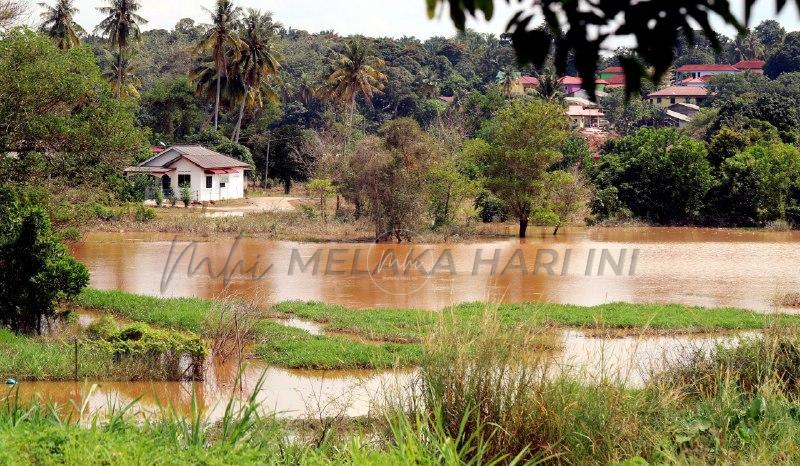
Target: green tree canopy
column 58, row 104
column 524, row 139
column 658, row 175
column 36, row 269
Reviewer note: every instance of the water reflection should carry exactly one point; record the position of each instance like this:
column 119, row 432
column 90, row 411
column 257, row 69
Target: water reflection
column 691, row 266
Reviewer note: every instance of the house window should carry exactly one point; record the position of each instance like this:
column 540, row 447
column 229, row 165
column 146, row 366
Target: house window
column 223, row 180
column 209, row 182
column 672, row 100
column 658, row 100
column 184, row 179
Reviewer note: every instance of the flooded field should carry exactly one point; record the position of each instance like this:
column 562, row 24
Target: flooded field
column 692, row 266
column 310, row 393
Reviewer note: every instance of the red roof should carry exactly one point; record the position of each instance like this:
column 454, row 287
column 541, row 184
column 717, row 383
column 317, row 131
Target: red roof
column 576, row 81
column 528, row 81
column 680, row 91
column 615, row 86
column 694, row 81
column 612, row 69
column 749, row 65
column 711, row 67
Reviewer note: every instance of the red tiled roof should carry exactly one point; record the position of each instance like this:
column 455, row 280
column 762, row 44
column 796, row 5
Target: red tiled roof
column 711, row 67
column 694, row 80
column 749, row 65
column 528, row 81
column 612, row 69
column 680, row 91
column 615, row 86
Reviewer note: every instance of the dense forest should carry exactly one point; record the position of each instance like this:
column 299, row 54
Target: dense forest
column 366, row 120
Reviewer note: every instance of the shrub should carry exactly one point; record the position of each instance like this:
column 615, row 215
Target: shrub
column 159, row 197
column 35, row 268
column 186, row 194
column 144, row 214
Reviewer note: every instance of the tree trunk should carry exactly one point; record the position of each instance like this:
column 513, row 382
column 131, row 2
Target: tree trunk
column 350, row 124
column 523, row 227
column 555, row 232
column 287, row 185
column 119, row 73
column 237, row 132
column 216, row 101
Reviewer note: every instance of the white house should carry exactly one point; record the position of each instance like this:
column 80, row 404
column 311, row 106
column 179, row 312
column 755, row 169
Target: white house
column 211, row 176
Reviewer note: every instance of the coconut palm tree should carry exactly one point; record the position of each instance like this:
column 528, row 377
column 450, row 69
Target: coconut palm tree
column 221, row 39
column 256, row 63
column 58, row 23
column 121, row 27
column 354, row 72
column 125, row 83
column 748, row 47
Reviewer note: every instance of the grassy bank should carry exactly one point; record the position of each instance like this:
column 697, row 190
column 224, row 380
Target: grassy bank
column 409, row 325
column 275, row 343
column 380, row 338
column 477, row 402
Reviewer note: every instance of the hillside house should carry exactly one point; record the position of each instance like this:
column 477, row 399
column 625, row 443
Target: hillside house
column 698, row 71
column 678, row 95
column 753, row 66
column 210, row 176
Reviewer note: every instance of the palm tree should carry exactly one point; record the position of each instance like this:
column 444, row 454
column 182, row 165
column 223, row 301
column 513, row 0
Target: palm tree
column 549, row 87
column 354, row 72
column 123, row 80
column 221, row 39
column 748, row 47
column 120, row 27
column 58, row 23
column 256, row 63
column 508, row 78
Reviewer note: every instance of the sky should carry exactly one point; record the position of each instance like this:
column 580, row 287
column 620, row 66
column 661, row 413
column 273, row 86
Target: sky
column 374, row 18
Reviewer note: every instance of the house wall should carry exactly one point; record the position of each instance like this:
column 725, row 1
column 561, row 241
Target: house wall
column 665, row 102
column 234, row 186
column 700, row 74
column 185, row 167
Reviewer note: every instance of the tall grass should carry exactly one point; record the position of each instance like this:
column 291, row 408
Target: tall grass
column 480, row 400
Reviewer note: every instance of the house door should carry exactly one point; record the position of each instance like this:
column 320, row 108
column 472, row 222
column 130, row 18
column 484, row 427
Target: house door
column 166, row 185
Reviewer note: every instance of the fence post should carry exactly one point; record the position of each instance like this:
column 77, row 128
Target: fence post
column 76, row 358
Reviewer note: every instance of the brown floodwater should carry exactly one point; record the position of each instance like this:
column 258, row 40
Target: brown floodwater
column 309, row 393
column 693, row 266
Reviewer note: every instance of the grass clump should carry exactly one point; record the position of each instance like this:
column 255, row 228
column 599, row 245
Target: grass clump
column 411, row 325
column 104, row 352
column 178, row 313
column 296, row 348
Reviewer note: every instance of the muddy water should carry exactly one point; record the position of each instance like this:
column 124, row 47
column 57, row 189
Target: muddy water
column 681, row 265
column 286, row 393
column 307, row 393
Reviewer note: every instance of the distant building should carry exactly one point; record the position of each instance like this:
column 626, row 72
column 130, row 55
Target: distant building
column 678, row 94
column 585, row 117
column 612, row 72
column 753, row 66
column 698, row 71
column 211, row 176
column 701, row 82
column 572, row 84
